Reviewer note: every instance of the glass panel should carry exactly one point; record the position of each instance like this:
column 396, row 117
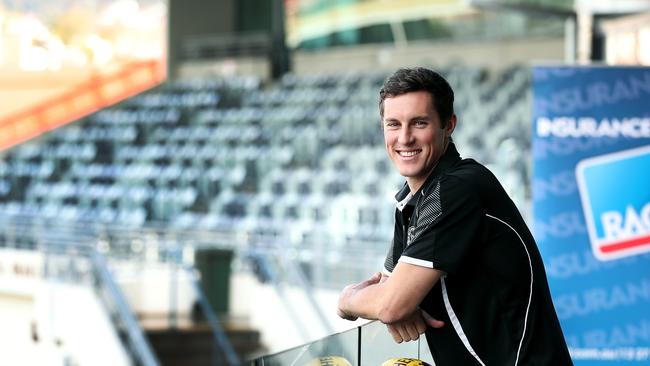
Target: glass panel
column 335, row 349
column 377, row 345
column 425, row 353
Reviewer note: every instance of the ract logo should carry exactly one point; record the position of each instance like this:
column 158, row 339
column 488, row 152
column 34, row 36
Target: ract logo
column 630, row 225
column 615, row 194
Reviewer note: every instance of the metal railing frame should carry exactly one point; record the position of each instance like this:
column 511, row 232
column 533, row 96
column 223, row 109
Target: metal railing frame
column 109, row 293
column 220, row 339
column 169, row 244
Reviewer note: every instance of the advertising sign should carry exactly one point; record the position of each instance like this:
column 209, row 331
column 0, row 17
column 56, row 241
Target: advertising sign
column 618, row 226
column 591, row 206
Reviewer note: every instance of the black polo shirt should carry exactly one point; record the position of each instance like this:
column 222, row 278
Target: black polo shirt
column 494, row 298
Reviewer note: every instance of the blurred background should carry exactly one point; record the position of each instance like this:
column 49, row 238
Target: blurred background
column 192, row 182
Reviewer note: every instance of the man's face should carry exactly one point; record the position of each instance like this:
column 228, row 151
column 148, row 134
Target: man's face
column 413, row 136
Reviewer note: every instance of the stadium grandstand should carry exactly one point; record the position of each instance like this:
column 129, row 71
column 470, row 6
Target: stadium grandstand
column 193, row 182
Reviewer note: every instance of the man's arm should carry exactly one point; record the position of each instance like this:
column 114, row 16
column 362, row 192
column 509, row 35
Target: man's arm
column 392, row 300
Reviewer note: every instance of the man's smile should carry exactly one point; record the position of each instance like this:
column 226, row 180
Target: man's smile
column 408, row 153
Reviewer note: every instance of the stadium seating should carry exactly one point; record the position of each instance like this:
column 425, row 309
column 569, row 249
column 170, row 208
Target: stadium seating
column 305, row 152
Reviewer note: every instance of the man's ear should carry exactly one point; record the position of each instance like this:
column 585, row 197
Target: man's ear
column 451, row 125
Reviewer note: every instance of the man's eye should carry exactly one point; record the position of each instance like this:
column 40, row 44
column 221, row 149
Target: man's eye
column 421, row 123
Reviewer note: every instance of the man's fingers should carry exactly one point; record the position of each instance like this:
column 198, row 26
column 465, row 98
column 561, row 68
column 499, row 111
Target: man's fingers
column 398, row 333
column 345, row 316
column 434, row 323
column 410, row 328
column 394, row 333
column 383, row 278
column 412, row 331
column 403, row 332
column 418, row 322
column 375, row 279
column 421, row 327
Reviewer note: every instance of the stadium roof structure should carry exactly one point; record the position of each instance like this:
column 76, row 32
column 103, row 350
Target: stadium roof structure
column 561, row 8
column 311, row 19
column 613, row 6
column 323, row 21
column 567, row 7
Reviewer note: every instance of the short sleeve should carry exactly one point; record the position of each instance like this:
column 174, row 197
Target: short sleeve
column 448, row 226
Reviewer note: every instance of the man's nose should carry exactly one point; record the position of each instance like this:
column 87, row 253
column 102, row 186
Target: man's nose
column 405, row 136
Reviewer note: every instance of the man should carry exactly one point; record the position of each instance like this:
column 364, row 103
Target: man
column 463, row 266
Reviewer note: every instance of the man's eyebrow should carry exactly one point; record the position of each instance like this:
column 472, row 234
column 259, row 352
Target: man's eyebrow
column 416, row 118
column 420, row 118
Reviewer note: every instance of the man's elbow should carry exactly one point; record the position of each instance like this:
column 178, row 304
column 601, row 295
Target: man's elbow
column 393, row 314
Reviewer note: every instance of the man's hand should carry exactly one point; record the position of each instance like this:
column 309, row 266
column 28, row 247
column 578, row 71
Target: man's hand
column 350, row 290
column 390, row 299
column 410, row 328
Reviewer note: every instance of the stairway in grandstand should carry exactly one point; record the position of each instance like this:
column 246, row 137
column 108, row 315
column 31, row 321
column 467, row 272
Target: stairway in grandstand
column 192, row 343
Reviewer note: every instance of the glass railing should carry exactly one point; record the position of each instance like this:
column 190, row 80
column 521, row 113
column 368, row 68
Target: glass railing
column 369, row 344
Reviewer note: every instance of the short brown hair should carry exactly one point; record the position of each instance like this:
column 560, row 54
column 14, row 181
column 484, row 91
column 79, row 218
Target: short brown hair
column 406, row 80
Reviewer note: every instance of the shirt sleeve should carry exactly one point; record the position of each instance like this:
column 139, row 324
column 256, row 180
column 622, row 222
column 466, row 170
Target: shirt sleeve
column 448, row 226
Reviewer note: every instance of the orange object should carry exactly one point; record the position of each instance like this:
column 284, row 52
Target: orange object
column 98, row 92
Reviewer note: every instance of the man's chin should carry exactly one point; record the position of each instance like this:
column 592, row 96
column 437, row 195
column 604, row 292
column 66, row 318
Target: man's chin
column 408, row 173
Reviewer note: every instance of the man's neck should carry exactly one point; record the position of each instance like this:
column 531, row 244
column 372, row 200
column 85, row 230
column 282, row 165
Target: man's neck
column 415, row 185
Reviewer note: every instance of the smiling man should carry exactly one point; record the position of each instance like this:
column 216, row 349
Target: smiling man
column 463, row 267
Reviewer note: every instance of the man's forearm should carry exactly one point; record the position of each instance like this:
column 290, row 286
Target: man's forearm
column 372, row 299
column 390, row 300
column 364, row 302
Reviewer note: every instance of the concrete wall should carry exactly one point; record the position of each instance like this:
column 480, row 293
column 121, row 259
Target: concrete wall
column 491, row 55
column 284, row 327
column 51, row 323
column 155, row 289
column 227, row 67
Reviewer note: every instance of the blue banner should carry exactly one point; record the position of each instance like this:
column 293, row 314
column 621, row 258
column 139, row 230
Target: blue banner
column 591, row 204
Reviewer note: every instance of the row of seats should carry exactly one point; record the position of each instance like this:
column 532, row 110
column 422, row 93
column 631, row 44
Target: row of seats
column 62, row 213
column 130, row 117
column 118, row 134
column 19, row 168
column 41, row 150
column 226, row 154
column 324, row 80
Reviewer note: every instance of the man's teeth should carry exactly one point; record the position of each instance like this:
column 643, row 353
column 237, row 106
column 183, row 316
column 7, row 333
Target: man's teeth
column 408, row 153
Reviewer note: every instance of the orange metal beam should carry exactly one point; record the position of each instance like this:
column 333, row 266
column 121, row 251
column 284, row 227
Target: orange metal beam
column 98, row 92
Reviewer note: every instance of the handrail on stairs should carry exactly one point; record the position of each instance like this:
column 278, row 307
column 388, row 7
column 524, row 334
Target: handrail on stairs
column 220, row 339
column 109, row 293
column 138, row 343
